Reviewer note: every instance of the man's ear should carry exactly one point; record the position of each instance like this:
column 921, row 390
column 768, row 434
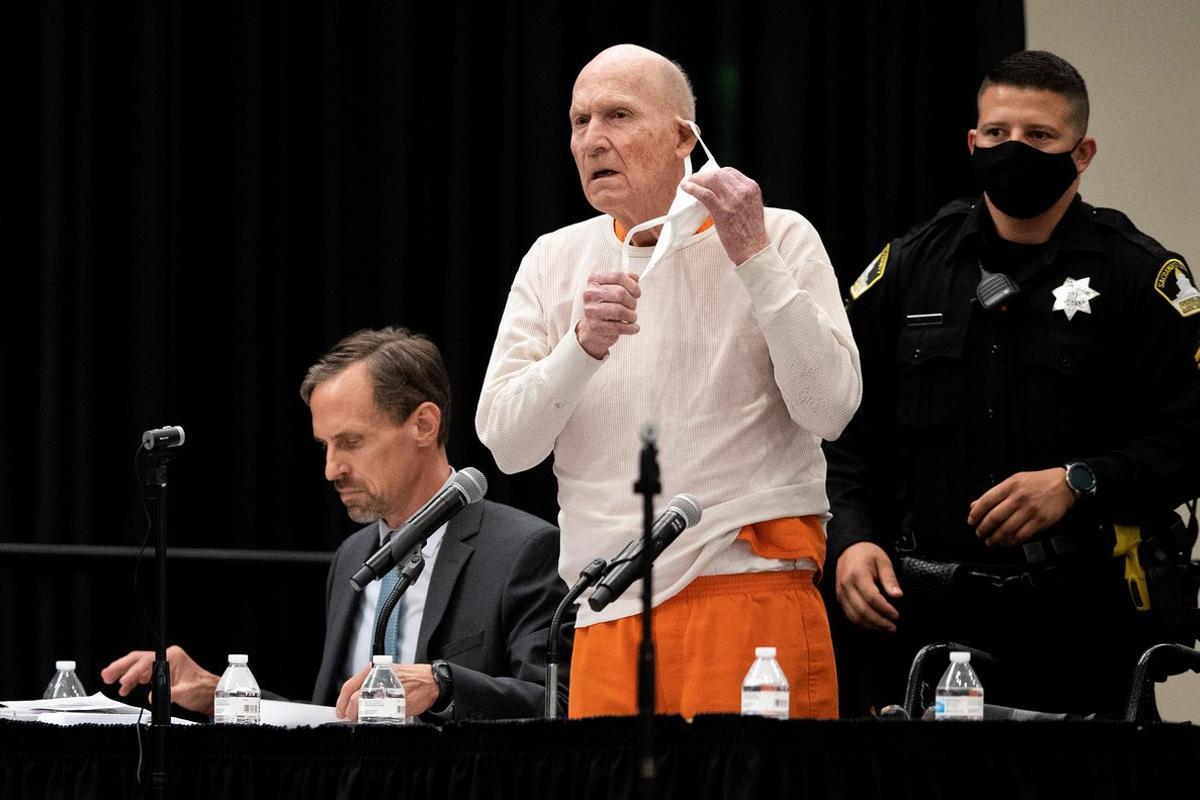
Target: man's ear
column 686, row 138
column 426, row 420
column 1083, row 154
column 971, row 134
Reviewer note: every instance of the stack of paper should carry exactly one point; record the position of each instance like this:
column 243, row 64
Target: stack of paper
column 101, row 710
column 96, row 710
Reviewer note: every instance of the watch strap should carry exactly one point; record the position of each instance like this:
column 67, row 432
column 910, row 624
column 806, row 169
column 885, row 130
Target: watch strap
column 444, row 678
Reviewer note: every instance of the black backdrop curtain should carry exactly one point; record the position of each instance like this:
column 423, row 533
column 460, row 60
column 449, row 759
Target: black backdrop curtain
column 199, row 198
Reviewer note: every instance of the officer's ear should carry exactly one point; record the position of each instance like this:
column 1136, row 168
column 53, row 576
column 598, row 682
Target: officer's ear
column 1083, row 154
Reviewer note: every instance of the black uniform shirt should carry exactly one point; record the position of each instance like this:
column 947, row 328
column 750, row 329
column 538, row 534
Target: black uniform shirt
column 958, row 398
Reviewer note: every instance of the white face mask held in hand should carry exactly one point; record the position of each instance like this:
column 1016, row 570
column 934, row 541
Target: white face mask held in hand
column 685, row 215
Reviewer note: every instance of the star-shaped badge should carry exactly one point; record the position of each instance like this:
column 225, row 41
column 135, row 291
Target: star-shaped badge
column 1074, row 295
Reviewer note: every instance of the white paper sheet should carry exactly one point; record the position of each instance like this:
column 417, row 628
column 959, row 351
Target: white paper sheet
column 297, row 715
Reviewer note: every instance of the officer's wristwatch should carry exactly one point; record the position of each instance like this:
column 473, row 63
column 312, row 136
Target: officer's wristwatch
column 444, row 679
column 1080, row 479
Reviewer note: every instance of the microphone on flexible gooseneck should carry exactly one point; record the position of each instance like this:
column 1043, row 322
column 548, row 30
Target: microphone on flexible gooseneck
column 466, row 487
column 681, row 512
column 161, row 438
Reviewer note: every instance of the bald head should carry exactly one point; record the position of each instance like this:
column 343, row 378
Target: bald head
column 667, row 80
column 629, row 132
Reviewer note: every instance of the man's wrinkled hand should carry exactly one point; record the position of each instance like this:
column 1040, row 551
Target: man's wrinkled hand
column 736, row 206
column 609, row 311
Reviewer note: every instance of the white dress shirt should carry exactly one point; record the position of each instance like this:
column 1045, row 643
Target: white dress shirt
column 412, row 607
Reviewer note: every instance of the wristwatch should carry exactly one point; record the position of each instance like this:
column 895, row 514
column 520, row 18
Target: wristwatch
column 444, row 679
column 1080, row 479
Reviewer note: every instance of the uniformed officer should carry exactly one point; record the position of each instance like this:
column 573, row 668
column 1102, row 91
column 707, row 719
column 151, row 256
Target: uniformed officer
column 1031, row 407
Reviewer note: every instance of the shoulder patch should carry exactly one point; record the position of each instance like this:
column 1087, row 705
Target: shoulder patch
column 871, row 274
column 1174, row 283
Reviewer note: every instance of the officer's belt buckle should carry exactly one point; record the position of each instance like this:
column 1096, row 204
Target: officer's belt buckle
column 1019, row 580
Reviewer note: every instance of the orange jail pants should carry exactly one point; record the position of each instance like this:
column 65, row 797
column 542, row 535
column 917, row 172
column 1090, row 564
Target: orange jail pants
column 704, row 639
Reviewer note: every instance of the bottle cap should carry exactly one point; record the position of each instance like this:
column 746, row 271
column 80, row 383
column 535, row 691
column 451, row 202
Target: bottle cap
column 64, row 665
column 960, row 657
column 381, row 661
column 238, row 658
column 764, row 652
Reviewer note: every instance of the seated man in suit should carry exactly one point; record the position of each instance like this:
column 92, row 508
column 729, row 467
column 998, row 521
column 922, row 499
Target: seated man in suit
column 471, row 631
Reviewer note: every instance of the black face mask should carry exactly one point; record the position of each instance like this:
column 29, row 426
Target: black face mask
column 1021, row 180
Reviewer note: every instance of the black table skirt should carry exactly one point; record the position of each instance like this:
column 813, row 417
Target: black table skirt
column 718, row 756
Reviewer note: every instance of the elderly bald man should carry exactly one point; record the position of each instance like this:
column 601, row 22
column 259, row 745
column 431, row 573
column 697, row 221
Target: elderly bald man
column 735, row 344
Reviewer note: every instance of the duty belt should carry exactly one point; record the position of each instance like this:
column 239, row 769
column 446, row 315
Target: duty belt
column 1156, row 566
column 943, row 579
column 1054, row 559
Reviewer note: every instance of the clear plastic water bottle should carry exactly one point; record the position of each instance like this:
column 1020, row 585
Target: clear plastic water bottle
column 381, row 699
column 237, row 699
column 65, row 682
column 765, row 689
column 959, row 693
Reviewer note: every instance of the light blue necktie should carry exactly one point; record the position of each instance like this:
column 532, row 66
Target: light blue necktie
column 391, row 639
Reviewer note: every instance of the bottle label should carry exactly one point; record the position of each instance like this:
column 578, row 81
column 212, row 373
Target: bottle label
column 236, row 710
column 765, row 703
column 380, row 708
column 958, row 707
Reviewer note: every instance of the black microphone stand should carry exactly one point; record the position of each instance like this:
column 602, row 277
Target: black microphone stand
column 648, row 486
column 587, row 578
column 408, row 576
column 154, row 465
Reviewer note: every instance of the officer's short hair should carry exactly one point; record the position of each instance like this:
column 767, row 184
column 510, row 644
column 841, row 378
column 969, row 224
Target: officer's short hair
column 1038, row 69
column 406, row 370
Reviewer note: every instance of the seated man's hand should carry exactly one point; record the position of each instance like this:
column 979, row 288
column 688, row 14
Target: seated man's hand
column 862, row 571
column 192, row 686
column 1020, row 506
column 420, row 690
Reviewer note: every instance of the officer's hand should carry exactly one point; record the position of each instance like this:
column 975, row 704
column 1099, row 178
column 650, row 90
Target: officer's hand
column 609, row 311
column 861, row 571
column 192, row 686
column 1020, row 506
column 735, row 203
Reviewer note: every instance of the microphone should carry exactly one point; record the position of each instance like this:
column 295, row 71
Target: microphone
column 466, row 487
column 162, row 438
column 683, row 510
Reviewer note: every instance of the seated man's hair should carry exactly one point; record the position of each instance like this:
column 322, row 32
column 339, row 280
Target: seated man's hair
column 406, row 370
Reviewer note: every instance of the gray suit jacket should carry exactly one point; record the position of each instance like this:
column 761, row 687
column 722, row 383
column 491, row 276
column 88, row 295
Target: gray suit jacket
column 494, row 588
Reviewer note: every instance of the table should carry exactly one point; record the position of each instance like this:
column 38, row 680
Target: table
column 714, row 756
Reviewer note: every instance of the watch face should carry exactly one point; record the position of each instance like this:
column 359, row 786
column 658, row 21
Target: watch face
column 1081, row 478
